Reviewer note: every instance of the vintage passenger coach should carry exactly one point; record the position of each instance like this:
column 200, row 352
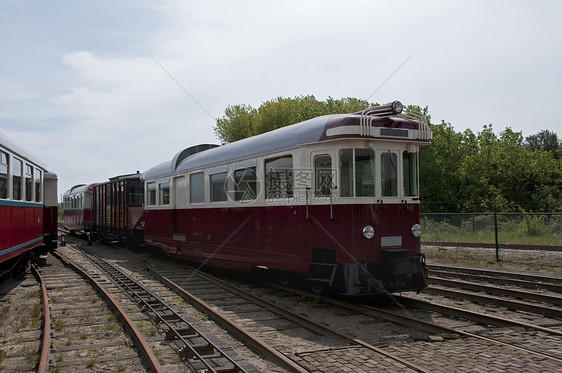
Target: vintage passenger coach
column 334, row 199
column 78, row 208
column 28, row 207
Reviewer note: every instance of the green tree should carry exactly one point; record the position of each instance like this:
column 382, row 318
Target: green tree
column 241, row 121
column 238, row 122
column 460, row 171
column 544, row 140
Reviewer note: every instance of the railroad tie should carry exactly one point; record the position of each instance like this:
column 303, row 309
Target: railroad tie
column 182, row 332
column 190, row 352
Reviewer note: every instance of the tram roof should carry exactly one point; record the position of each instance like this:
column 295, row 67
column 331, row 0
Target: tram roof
column 286, row 138
column 19, row 151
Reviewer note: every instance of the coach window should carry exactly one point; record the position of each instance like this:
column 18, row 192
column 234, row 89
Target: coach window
column 245, row 188
column 16, row 180
column 164, row 192
column 197, row 188
column 357, row 168
column 28, row 182
column 323, row 175
column 4, row 171
column 218, row 187
column 346, row 172
column 38, row 178
column 364, row 173
column 135, row 194
column 389, row 175
column 410, row 168
column 279, row 177
column 151, row 194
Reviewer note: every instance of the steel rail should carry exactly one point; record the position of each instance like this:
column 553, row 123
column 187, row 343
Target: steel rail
column 497, row 280
column 246, row 336
column 203, row 353
column 471, row 315
column 509, row 304
column 136, row 335
column 46, row 340
column 527, row 295
column 500, row 274
column 409, row 321
column 303, row 321
column 235, row 329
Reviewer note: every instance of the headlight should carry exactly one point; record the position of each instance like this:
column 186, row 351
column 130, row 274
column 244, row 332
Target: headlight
column 416, row 230
column 397, row 107
column 368, row 232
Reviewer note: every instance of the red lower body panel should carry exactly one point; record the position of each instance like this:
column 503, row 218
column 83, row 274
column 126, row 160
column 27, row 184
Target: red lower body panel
column 21, row 229
column 283, row 238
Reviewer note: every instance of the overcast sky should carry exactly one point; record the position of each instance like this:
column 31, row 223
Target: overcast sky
column 83, row 86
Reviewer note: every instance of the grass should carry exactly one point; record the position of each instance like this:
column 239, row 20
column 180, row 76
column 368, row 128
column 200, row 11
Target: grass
column 32, row 357
column 512, row 229
column 91, row 362
column 36, row 311
column 58, row 325
column 112, row 317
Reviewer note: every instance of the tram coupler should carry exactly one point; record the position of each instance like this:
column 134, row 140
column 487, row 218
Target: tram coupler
column 89, row 238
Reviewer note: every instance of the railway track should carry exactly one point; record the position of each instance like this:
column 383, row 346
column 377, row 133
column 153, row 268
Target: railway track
column 485, row 334
column 359, row 336
column 516, row 279
column 87, row 325
column 21, row 324
column 191, row 344
column 499, row 289
column 290, row 335
column 415, row 327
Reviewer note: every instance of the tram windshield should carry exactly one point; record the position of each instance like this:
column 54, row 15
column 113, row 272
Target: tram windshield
column 359, row 176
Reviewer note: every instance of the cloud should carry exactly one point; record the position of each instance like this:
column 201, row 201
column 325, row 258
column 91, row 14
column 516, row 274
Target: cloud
column 88, row 96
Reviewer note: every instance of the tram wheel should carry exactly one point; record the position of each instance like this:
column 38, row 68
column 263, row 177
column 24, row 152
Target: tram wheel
column 317, row 288
column 284, row 280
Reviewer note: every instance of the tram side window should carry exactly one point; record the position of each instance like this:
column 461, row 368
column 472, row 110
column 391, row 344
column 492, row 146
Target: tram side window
column 38, row 178
column 4, row 168
column 197, row 188
column 16, row 179
column 389, row 175
column 28, row 183
column 323, row 175
column 279, row 177
column 364, row 173
column 346, row 172
column 410, row 165
column 218, row 187
column 151, row 194
column 245, row 188
column 164, row 192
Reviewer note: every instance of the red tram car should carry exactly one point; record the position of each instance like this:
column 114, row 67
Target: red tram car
column 28, row 208
column 334, row 199
column 78, row 208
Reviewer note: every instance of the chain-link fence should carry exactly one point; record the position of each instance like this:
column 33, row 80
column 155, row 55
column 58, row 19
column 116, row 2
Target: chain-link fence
column 494, row 233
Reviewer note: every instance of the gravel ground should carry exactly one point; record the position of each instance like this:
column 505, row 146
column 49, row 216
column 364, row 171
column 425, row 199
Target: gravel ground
column 512, row 260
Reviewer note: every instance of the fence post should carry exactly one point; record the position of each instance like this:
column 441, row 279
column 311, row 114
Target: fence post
column 496, row 232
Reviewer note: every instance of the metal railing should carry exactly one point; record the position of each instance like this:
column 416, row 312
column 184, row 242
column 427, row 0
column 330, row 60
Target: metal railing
column 495, row 230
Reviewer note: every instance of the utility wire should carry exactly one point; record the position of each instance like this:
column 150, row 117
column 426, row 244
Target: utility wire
column 391, row 75
column 178, row 83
